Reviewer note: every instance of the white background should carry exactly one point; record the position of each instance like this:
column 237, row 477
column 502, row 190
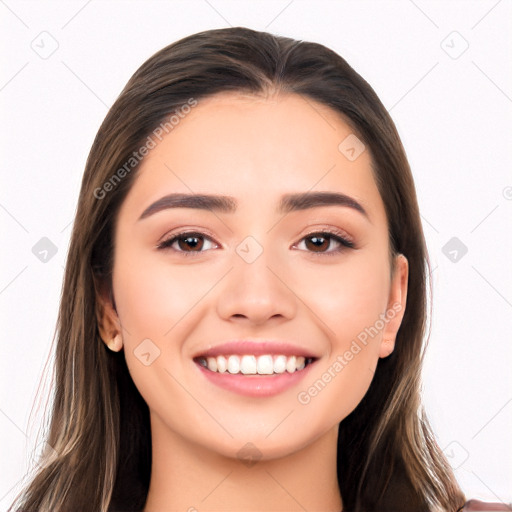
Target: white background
column 453, row 114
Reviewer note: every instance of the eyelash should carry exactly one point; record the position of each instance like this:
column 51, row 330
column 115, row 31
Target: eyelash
column 337, row 236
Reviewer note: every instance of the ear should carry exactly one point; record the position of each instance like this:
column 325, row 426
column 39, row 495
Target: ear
column 109, row 325
column 396, row 305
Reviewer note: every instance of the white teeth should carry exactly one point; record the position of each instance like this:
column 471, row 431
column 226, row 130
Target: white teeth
column 255, row 365
column 222, row 364
column 265, row 365
column 280, row 364
column 291, row 364
column 248, row 365
column 234, row 364
column 212, row 364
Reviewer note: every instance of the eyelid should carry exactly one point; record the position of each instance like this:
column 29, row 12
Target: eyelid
column 344, row 240
column 186, row 230
column 166, row 242
column 341, row 233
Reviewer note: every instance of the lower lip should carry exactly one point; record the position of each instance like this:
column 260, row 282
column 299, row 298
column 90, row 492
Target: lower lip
column 255, row 385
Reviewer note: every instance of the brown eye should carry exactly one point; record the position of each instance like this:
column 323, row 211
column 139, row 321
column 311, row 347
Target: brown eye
column 321, row 242
column 188, row 243
column 317, row 243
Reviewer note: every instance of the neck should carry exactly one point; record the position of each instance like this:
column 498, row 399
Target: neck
column 188, row 477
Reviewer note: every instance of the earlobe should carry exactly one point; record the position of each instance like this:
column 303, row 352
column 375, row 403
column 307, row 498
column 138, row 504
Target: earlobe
column 396, row 305
column 107, row 319
column 116, row 343
column 386, row 348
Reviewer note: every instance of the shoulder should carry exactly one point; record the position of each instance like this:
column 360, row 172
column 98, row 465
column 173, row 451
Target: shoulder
column 481, row 506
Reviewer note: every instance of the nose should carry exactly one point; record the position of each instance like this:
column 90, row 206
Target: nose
column 256, row 292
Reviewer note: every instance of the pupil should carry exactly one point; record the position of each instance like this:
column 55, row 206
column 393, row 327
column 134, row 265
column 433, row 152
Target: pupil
column 318, row 242
column 192, row 242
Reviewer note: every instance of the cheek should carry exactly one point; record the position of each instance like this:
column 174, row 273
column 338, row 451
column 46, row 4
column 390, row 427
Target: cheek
column 350, row 300
column 348, row 296
column 156, row 305
column 159, row 306
column 153, row 296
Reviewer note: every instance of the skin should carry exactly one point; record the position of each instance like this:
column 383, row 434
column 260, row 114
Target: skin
column 254, row 149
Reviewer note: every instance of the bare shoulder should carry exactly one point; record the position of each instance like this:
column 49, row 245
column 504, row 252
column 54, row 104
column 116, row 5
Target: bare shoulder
column 481, row 506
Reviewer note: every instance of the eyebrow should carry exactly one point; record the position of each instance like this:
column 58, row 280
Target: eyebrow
column 227, row 204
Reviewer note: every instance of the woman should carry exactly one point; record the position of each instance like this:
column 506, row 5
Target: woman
column 243, row 312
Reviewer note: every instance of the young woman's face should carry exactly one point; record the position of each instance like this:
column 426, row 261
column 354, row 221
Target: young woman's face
column 287, row 255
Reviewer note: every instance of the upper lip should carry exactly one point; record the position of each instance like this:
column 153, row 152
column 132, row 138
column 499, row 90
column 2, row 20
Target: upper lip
column 257, row 348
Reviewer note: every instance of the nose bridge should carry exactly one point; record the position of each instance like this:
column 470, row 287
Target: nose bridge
column 254, row 289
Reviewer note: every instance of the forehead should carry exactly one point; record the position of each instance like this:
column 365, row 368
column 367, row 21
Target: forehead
column 255, row 148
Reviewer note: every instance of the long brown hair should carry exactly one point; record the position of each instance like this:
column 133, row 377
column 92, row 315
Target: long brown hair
column 388, row 459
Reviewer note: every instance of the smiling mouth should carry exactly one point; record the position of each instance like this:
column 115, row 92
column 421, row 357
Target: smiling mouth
column 265, row 364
